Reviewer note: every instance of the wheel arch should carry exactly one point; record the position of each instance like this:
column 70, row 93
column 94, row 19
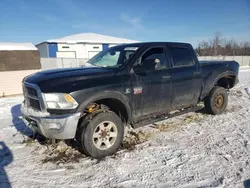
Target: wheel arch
column 116, row 101
column 226, row 80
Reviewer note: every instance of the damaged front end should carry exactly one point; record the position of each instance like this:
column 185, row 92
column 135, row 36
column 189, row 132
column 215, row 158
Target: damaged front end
column 35, row 116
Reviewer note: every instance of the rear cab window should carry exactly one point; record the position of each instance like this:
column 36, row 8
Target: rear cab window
column 182, row 57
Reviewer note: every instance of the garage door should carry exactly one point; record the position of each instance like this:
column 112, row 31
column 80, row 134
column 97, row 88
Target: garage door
column 66, row 54
column 92, row 53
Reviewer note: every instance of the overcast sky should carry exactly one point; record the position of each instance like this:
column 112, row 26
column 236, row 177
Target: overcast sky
column 146, row 20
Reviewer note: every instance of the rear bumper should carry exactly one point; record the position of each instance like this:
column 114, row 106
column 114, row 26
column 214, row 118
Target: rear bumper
column 56, row 127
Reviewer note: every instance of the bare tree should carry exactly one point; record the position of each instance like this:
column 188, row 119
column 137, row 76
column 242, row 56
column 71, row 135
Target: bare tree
column 216, row 43
column 245, row 48
column 203, row 48
column 221, row 46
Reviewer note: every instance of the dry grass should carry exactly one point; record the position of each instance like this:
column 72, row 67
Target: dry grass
column 29, row 141
column 193, row 117
column 164, row 127
column 61, row 153
column 134, row 138
column 237, row 93
column 169, row 126
column 137, row 137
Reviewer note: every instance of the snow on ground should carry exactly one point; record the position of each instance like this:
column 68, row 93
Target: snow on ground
column 193, row 150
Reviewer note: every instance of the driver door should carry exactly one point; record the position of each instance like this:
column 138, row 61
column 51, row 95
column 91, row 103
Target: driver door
column 151, row 82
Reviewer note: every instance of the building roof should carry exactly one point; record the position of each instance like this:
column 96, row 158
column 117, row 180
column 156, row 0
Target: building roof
column 9, row 46
column 91, row 38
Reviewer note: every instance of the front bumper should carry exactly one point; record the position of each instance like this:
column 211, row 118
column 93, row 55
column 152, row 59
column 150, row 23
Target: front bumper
column 56, row 127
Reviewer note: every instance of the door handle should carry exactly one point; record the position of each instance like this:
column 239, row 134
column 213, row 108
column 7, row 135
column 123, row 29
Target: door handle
column 197, row 73
column 166, row 77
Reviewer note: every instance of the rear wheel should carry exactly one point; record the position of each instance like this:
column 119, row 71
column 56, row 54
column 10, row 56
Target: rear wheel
column 217, row 100
column 102, row 135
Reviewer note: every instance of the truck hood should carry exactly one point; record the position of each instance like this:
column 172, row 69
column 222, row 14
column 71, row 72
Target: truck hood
column 58, row 80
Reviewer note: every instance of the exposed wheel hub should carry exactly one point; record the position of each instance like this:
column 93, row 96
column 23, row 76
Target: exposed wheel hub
column 219, row 100
column 103, row 133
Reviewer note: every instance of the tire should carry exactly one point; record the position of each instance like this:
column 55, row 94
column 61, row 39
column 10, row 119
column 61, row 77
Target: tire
column 217, row 100
column 100, row 125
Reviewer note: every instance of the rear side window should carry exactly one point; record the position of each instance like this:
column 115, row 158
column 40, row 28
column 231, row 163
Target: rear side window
column 182, row 57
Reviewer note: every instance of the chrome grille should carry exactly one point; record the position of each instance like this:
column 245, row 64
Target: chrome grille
column 31, row 91
column 34, row 103
column 31, row 97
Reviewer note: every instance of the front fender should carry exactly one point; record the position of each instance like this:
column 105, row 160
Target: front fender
column 106, row 95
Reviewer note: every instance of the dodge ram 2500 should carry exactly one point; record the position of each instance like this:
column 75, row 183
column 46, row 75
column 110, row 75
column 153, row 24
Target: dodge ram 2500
column 130, row 84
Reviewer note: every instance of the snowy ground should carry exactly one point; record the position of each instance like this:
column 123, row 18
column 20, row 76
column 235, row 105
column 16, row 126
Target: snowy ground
column 193, row 150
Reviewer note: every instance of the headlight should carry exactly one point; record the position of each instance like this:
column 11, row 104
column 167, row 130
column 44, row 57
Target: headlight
column 60, row 101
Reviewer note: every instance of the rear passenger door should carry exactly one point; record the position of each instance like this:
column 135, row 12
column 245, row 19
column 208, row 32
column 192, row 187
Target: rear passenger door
column 186, row 77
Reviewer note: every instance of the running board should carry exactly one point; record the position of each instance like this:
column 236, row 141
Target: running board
column 147, row 121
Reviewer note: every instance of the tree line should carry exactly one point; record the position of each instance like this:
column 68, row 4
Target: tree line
column 224, row 47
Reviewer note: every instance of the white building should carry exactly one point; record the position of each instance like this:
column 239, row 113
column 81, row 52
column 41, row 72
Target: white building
column 83, row 45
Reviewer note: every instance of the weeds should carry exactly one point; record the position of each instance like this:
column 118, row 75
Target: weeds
column 61, row 153
column 192, row 118
column 57, row 153
column 134, row 138
column 237, row 93
column 164, row 127
column 28, row 141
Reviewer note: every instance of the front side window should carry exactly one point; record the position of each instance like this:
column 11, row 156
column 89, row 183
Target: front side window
column 113, row 57
column 181, row 57
column 154, row 59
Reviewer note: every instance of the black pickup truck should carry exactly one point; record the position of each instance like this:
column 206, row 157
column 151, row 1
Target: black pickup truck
column 130, row 84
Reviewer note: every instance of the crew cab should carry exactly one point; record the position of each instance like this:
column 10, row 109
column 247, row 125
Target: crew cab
column 130, row 84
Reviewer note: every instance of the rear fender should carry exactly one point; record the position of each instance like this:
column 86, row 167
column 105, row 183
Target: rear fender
column 210, row 86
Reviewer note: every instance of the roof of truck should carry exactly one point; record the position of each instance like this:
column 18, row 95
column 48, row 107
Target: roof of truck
column 156, row 43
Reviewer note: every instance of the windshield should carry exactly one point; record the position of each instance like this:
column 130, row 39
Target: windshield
column 113, row 57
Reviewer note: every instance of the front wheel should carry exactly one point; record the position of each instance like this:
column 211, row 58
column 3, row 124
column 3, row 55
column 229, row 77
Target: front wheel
column 102, row 135
column 217, row 100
